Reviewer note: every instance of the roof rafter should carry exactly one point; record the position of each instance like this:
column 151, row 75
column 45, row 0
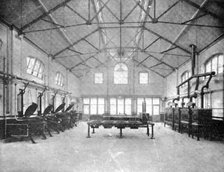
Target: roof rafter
column 44, row 15
column 202, row 8
column 60, row 30
column 156, row 58
column 78, row 14
column 167, row 40
column 76, row 42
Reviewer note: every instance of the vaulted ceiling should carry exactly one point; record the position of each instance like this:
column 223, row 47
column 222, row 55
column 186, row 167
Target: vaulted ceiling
column 84, row 34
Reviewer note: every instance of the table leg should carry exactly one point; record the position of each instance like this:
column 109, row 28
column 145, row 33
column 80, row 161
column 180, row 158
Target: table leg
column 152, row 137
column 147, row 130
column 88, row 136
column 120, row 132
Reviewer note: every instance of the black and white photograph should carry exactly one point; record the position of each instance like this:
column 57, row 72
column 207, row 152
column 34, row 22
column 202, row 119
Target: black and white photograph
column 112, row 85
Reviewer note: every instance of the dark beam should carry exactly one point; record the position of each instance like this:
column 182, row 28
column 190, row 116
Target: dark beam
column 168, row 50
column 130, row 12
column 78, row 14
column 83, row 62
column 91, row 44
column 167, row 40
column 98, row 22
column 80, row 53
column 44, row 15
column 212, row 43
column 168, row 9
column 104, row 5
column 155, row 65
column 193, row 4
column 143, row 60
column 146, row 12
column 160, row 60
column 195, row 18
column 151, row 43
column 56, row 24
column 110, row 10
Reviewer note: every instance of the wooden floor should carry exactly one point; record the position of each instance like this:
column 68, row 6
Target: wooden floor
column 71, row 151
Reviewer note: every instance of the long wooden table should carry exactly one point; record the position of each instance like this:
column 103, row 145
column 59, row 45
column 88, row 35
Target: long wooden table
column 120, row 122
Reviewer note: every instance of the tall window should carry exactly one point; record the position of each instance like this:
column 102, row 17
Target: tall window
column 59, row 79
column 152, row 105
column 215, row 64
column 34, row 67
column 86, row 105
column 98, row 78
column 184, row 77
column 120, row 106
column 120, row 74
column 143, row 77
column 93, row 106
column 113, row 106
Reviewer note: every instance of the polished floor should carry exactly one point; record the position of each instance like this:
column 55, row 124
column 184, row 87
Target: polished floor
column 71, row 151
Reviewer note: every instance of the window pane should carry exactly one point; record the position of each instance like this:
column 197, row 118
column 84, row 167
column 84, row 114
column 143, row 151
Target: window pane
column 120, row 74
column 93, row 101
column 29, row 71
column 100, row 109
column 27, row 61
column 149, row 109
column 128, row 109
column 208, row 67
column 155, row 110
column 214, row 64
column 86, row 100
column 30, row 66
column 112, row 101
column 139, row 101
column 36, row 68
column 220, row 64
column 139, row 109
column 112, row 109
column 100, row 100
column 100, row 106
column 93, row 109
column 40, row 74
column 156, row 101
column 120, row 107
column 148, row 100
column 86, row 109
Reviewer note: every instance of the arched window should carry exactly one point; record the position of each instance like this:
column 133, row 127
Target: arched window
column 185, row 75
column 120, row 74
column 215, row 63
column 34, row 67
column 59, row 79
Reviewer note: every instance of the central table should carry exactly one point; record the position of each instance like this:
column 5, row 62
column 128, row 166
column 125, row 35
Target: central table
column 120, row 122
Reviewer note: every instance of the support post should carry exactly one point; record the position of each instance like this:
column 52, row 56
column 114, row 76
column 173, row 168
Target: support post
column 88, row 136
column 152, row 137
column 147, row 129
column 120, row 132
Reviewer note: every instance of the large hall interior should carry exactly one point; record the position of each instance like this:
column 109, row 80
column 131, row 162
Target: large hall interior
column 111, row 85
